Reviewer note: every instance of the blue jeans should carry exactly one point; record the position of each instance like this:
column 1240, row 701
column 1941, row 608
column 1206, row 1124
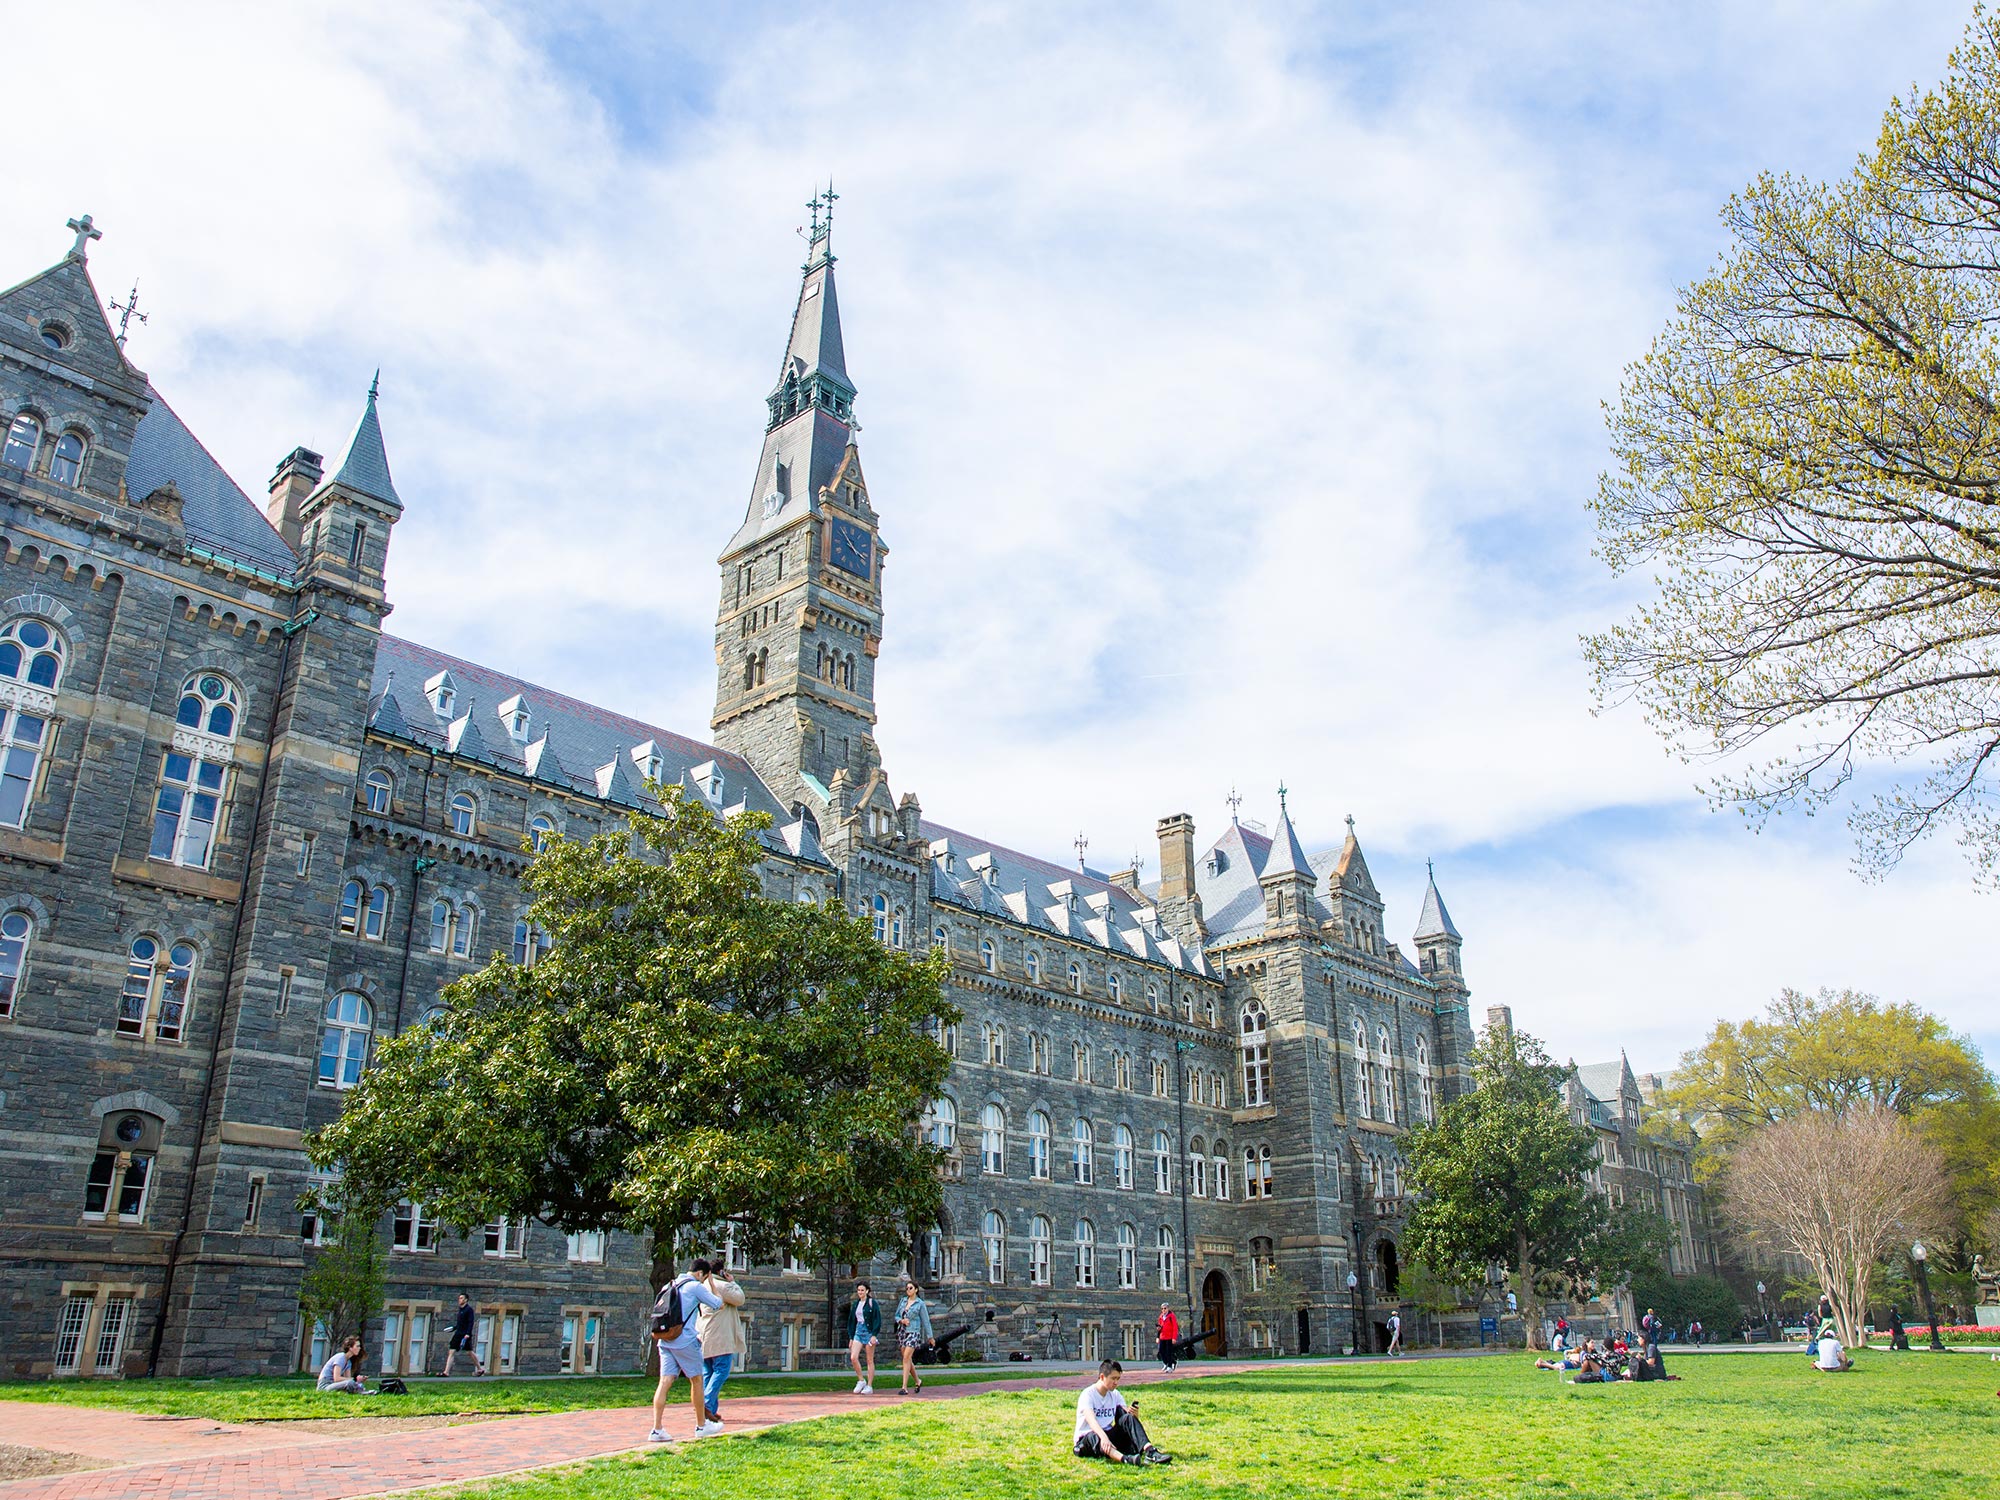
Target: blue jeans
column 715, row 1371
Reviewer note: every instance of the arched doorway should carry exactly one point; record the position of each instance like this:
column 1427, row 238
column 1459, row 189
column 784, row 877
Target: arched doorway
column 1385, row 1258
column 1305, row 1331
column 1215, row 1314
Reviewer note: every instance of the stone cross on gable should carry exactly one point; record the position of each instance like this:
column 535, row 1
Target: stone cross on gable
column 1350, row 824
column 85, row 233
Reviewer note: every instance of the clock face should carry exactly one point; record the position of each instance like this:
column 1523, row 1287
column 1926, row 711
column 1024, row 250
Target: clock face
column 850, row 548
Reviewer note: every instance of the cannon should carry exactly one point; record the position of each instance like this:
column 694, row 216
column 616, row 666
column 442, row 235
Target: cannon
column 939, row 1351
column 1185, row 1344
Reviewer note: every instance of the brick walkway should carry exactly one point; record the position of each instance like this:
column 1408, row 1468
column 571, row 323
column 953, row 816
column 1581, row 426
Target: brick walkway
column 195, row 1459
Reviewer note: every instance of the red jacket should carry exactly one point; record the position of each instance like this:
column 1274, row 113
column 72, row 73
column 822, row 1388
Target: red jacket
column 1170, row 1326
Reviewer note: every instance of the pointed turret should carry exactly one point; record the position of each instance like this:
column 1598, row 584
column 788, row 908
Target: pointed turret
column 1437, row 939
column 1287, row 877
column 344, row 523
column 1359, row 905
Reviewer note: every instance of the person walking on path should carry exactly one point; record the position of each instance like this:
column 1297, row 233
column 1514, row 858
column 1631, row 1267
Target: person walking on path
column 677, row 1336
column 722, row 1338
column 1649, row 1329
column 464, row 1337
column 1695, row 1334
column 1395, row 1333
column 913, row 1332
column 1107, row 1425
column 864, row 1333
column 1170, row 1332
column 342, row 1372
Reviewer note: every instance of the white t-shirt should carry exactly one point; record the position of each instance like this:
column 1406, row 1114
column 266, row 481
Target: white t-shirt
column 1091, row 1402
column 1830, row 1353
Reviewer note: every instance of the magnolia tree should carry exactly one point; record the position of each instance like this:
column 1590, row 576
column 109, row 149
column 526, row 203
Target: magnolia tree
column 1841, row 1189
column 688, row 1057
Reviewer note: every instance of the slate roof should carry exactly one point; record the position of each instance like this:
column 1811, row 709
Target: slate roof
column 216, row 512
column 567, row 743
column 1434, row 920
column 364, row 464
column 979, row 875
column 1286, row 857
column 1604, row 1080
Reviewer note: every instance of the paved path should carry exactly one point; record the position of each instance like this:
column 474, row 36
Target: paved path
column 175, row 1458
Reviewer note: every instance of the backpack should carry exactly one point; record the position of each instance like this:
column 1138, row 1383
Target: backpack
column 669, row 1315
column 391, row 1386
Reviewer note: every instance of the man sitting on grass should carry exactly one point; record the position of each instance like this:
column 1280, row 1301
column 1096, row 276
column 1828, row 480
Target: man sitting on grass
column 1107, row 1425
column 1832, row 1358
column 343, row 1371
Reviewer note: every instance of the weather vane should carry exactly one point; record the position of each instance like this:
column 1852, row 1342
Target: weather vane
column 1235, row 800
column 127, row 311
column 1082, row 844
column 1281, row 797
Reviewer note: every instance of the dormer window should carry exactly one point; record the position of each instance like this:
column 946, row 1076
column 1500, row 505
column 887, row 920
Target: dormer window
column 442, row 694
column 515, row 715
column 652, row 765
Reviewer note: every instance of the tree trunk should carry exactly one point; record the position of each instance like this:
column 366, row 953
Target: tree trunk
column 661, row 1273
column 1531, row 1302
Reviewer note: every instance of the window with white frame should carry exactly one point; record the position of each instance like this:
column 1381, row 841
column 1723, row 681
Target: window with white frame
column 1079, row 1061
column 506, row 1238
column 1256, row 1054
column 541, row 828
column 343, row 1040
column 1041, row 1238
column 1363, row 1104
column 464, row 815
column 994, row 1043
column 993, row 1242
column 1164, row 1257
column 586, row 1247
column 1038, row 1052
column 941, row 940
column 993, row 1139
column 881, row 909
column 1197, row 1168
column 413, row 1229
column 1128, row 1257
column 1163, row 1163
column 442, row 923
column 1086, row 1253
column 377, row 791
column 1075, row 979
column 31, row 659
column 1220, row 1164
column 119, row 1187
column 989, row 957
column 158, row 990
column 194, row 773
column 1082, row 1152
column 1038, row 1145
column 941, row 1123
column 1161, row 1078
column 499, row 1339
column 1386, row 1066
column 1121, row 1156
column 24, row 440
column 1121, row 1070
column 1426, row 1097
column 406, row 1338
column 91, row 1333
column 531, row 943
column 1153, row 997
column 582, row 1337
column 1263, row 1261
column 1115, row 986
column 66, row 461
column 17, row 933
column 1034, row 963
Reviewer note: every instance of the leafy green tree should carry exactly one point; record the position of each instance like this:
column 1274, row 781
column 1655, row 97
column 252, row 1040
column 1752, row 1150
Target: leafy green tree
column 1431, row 1292
column 1806, row 463
column 342, row 1286
column 1680, row 1300
column 687, row 1055
column 1503, row 1178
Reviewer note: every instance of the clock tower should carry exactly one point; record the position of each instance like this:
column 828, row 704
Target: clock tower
column 800, row 617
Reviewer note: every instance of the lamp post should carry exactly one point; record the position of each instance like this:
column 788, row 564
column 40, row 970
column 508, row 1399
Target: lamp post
column 1763, row 1312
column 1921, row 1256
column 1354, row 1289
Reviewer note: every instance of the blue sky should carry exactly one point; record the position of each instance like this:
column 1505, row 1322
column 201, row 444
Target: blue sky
column 1231, row 381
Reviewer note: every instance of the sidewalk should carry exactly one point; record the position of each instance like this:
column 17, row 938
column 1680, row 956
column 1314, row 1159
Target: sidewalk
column 178, row 1458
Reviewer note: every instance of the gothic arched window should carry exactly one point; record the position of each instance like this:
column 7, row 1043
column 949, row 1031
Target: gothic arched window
column 343, row 1041
column 1256, row 1049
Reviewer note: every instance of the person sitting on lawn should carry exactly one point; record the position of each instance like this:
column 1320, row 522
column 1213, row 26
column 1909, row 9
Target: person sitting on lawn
column 1107, row 1425
column 1832, row 1358
column 342, row 1372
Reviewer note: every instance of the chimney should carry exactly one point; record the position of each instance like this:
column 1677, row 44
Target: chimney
column 296, row 478
column 1499, row 1020
column 1180, row 907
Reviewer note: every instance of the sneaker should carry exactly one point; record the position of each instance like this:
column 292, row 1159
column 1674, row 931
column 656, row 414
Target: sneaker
column 860, row 1387
column 867, row 1388
column 708, row 1429
column 1130, row 1458
column 658, row 1436
column 1153, row 1455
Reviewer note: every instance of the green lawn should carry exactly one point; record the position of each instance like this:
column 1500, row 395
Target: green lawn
column 280, row 1400
column 1737, row 1425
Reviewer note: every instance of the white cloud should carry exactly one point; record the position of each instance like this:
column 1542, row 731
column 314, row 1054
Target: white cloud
column 1231, row 387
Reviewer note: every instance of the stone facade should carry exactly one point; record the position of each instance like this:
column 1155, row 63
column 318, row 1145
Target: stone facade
column 245, row 833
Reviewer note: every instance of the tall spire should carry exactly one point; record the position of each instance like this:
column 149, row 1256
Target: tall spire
column 1287, row 858
column 1434, row 921
column 364, row 466
column 814, row 374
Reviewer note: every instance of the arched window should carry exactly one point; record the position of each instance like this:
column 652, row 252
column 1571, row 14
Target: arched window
column 1121, row 1070
column 464, row 815
column 135, row 1000
column 441, row 925
column 1075, row 979
column 343, row 1043
column 1041, row 1235
column 192, row 782
column 541, row 828
column 1209, row 1009
column 1197, row 1169
column 29, row 652
column 993, row 1139
column 1220, row 1165
column 941, row 1128
column 1086, row 1253
column 375, row 921
column 1079, row 1061
column 1038, row 1144
column 1163, row 1163
column 1160, row 1078
column 993, row 1040
column 1264, row 1173
column 1115, row 985
column 880, row 906
column 465, row 929
column 1152, row 997
column 1034, row 962
column 896, row 928
column 1385, row 1061
column 1363, row 1106
column 24, row 440
column 377, row 790
column 1128, row 1257
column 352, row 895
column 989, row 959
column 17, row 931
column 209, row 704
column 530, row 943
column 1256, row 1051
column 1165, row 1243
column 993, row 1238
column 1083, row 1152
column 1426, row 1099
column 1121, row 1156
column 1187, row 1005
column 941, row 939
column 66, row 463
